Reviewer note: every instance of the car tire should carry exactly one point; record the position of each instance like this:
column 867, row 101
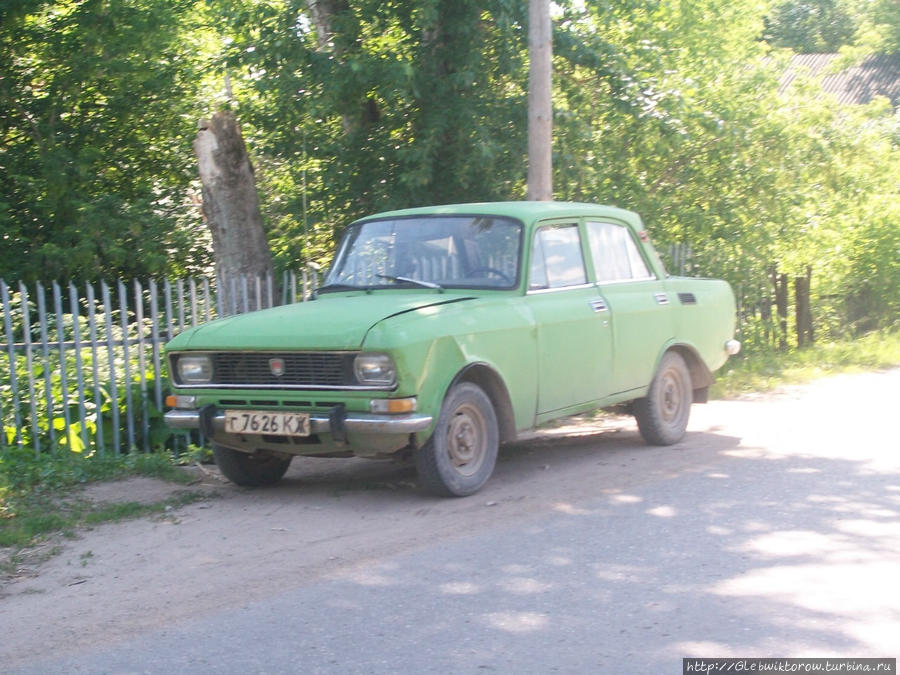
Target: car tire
column 461, row 454
column 662, row 416
column 251, row 470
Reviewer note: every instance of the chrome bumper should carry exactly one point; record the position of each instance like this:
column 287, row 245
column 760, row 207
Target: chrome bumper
column 319, row 424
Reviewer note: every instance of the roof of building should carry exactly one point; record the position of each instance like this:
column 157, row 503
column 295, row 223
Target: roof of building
column 876, row 75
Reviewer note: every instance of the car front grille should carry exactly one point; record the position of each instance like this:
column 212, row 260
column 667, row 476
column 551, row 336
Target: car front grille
column 282, row 370
column 303, row 370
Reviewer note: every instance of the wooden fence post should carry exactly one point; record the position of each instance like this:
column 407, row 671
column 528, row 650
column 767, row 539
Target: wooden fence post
column 803, row 310
column 780, row 283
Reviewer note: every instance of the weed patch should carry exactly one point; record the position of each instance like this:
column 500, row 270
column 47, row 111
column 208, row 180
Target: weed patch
column 37, row 493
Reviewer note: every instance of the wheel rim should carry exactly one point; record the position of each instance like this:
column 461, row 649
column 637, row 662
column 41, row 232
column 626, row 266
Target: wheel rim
column 466, row 440
column 672, row 398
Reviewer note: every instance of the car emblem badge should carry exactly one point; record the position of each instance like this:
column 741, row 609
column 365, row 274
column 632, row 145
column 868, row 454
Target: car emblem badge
column 277, row 367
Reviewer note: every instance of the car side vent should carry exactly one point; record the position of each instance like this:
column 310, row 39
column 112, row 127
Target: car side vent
column 687, row 298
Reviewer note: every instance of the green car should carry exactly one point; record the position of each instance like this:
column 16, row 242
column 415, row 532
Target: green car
column 444, row 332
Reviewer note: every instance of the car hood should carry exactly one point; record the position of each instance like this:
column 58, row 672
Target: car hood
column 333, row 322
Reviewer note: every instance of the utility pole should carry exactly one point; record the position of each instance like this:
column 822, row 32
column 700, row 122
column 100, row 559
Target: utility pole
column 540, row 104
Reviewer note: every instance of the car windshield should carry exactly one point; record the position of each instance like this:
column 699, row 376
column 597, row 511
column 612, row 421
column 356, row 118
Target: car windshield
column 430, row 252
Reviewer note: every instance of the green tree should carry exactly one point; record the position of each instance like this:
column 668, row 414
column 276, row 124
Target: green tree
column 675, row 126
column 403, row 103
column 810, row 26
column 685, row 125
column 668, row 108
column 95, row 127
column 879, row 26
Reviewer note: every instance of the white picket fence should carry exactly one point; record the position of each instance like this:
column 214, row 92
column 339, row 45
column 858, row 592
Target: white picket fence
column 82, row 368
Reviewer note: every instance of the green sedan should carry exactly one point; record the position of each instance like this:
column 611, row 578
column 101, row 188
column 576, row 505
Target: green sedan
column 444, row 332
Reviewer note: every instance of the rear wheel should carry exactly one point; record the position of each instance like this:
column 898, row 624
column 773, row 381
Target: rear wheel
column 461, row 454
column 251, row 470
column 662, row 416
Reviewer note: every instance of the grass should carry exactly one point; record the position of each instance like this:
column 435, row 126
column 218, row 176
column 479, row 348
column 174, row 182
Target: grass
column 764, row 371
column 38, row 495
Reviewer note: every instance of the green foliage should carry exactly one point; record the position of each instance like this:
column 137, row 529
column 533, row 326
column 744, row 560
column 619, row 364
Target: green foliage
column 810, row 26
column 409, row 103
column 671, row 125
column 685, row 125
column 95, row 126
column 878, row 25
column 844, row 219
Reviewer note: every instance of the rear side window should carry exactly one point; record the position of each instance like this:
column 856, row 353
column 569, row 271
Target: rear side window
column 615, row 255
column 556, row 259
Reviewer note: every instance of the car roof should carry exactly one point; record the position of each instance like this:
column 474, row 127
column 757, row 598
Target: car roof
column 526, row 211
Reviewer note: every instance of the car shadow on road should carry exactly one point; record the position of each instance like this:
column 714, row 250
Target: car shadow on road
column 545, row 457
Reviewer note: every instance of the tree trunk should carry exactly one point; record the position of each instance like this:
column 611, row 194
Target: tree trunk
column 322, row 14
column 230, row 203
column 540, row 105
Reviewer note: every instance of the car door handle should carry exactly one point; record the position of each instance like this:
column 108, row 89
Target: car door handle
column 599, row 305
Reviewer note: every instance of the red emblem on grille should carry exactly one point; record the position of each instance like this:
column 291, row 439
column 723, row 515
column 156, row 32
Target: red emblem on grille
column 277, row 367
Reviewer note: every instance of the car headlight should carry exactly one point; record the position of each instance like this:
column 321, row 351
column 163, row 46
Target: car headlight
column 195, row 369
column 375, row 370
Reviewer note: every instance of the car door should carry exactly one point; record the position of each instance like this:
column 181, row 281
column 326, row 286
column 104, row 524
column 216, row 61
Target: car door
column 571, row 322
column 640, row 312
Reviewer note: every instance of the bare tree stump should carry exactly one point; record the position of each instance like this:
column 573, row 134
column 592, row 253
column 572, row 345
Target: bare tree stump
column 230, row 202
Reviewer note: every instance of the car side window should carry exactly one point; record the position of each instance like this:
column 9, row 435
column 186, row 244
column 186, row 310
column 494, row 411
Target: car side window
column 614, row 253
column 556, row 259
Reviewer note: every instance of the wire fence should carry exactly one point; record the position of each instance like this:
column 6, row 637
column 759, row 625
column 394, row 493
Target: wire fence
column 82, row 367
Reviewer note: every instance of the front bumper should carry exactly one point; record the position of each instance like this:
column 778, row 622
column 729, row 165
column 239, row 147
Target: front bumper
column 337, row 422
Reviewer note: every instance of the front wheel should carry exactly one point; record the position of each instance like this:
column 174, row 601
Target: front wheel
column 461, row 454
column 251, row 470
column 662, row 415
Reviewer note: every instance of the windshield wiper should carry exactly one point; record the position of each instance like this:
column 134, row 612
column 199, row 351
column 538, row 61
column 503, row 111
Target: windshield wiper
column 417, row 282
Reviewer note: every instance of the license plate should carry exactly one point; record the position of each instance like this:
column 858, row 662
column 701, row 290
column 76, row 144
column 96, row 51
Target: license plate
column 264, row 422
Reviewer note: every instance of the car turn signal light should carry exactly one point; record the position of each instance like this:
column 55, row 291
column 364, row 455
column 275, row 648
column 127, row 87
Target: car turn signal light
column 393, row 406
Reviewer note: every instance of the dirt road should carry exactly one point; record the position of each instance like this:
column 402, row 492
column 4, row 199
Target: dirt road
column 831, row 446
